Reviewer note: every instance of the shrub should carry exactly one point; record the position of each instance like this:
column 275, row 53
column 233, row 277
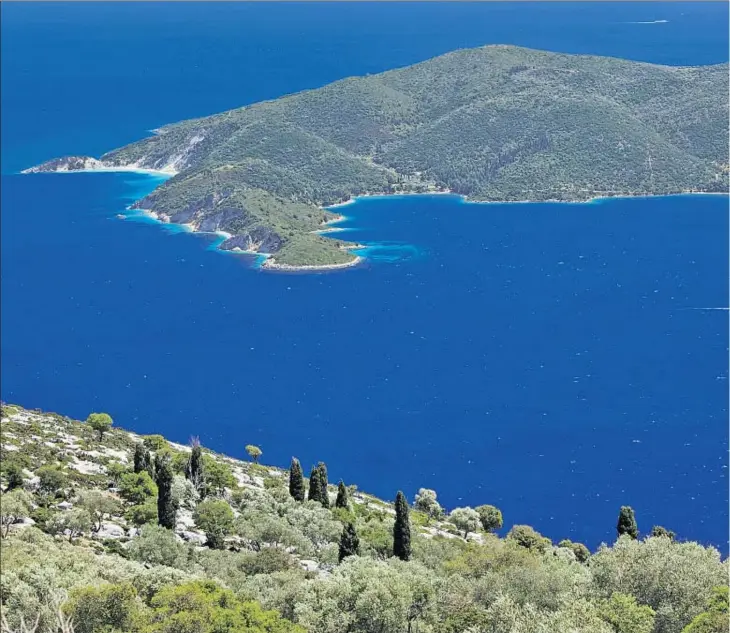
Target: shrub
column 217, row 476
column 491, row 517
column 142, row 513
column 51, row 481
column 205, row 607
column 155, row 442
column 13, row 472
column 528, row 537
column 626, row 616
column 137, row 487
column 582, row 553
column 184, row 493
column 106, row 608
column 215, row 518
column 14, row 506
column 158, row 546
column 74, row 522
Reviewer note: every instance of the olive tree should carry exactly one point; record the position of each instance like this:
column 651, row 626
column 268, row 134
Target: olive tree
column 426, row 502
column 465, row 519
column 14, row 506
column 491, row 517
column 674, row 579
column 254, row 452
column 99, row 505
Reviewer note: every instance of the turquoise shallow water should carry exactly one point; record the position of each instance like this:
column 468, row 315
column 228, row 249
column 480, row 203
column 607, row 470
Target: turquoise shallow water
column 553, row 359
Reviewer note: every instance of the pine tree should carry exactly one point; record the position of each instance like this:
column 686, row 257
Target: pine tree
column 401, row 528
column 139, row 458
column 627, row 522
column 194, row 468
column 296, row 480
column 342, row 501
column 166, row 509
column 349, row 542
column 324, row 497
column 314, row 485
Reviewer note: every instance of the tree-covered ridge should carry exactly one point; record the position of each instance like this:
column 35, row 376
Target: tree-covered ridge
column 102, row 530
column 492, row 123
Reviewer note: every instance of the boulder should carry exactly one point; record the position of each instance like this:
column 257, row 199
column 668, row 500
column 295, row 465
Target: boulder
column 309, row 565
column 111, row 530
column 197, row 538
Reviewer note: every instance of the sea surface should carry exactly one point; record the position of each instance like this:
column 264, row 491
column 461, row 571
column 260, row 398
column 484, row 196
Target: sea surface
column 557, row 360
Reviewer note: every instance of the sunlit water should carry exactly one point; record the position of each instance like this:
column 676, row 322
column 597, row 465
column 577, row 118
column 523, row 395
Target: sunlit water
column 556, row 360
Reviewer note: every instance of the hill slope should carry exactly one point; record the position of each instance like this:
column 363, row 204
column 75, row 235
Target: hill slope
column 492, row 123
column 78, row 527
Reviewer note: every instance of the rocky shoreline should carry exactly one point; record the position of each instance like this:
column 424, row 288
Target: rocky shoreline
column 270, row 264
column 263, row 241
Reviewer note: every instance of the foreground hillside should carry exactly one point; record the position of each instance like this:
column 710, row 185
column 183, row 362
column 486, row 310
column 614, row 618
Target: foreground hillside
column 107, row 531
column 493, row 123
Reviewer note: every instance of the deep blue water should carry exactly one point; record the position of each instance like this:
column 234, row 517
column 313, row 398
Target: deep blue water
column 546, row 358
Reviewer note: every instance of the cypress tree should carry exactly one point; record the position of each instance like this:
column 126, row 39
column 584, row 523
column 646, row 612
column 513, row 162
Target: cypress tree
column 324, row 497
column 314, row 485
column 139, row 458
column 149, row 464
column 296, row 480
column 166, row 509
column 401, row 528
column 349, row 542
column 627, row 522
column 194, row 468
column 342, row 501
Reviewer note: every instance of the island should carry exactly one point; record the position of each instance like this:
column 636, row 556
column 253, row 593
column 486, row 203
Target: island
column 496, row 123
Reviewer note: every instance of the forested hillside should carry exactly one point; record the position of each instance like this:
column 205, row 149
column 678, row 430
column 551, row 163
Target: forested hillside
column 103, row 530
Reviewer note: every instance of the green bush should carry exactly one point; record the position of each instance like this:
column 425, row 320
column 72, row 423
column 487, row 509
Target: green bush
column 155, row 442
column 215, row 518
column 106, row 608
column 137, row 488
column 142, row 513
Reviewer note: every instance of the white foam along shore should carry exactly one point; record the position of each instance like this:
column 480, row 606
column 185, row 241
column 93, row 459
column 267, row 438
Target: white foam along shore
column 86, row 164
column 270, row 264
column 168, row 172
column 596, row 197
column 95, row 165
column 354, row 199
column 190, row 227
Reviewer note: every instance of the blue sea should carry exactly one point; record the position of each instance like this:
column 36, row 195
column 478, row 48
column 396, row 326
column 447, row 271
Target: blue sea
column 556, row 360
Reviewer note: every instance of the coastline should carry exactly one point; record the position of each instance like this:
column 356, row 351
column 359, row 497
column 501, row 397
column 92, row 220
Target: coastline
column 166, row 172
column 269, row 261
column 466, row 199
column 270, row 264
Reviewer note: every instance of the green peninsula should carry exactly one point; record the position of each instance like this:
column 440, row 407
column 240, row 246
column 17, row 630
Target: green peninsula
column 496, row 123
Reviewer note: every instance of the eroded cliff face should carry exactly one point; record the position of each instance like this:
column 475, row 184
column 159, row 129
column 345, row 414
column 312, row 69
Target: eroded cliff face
column 67, row 163
column 260, row 239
